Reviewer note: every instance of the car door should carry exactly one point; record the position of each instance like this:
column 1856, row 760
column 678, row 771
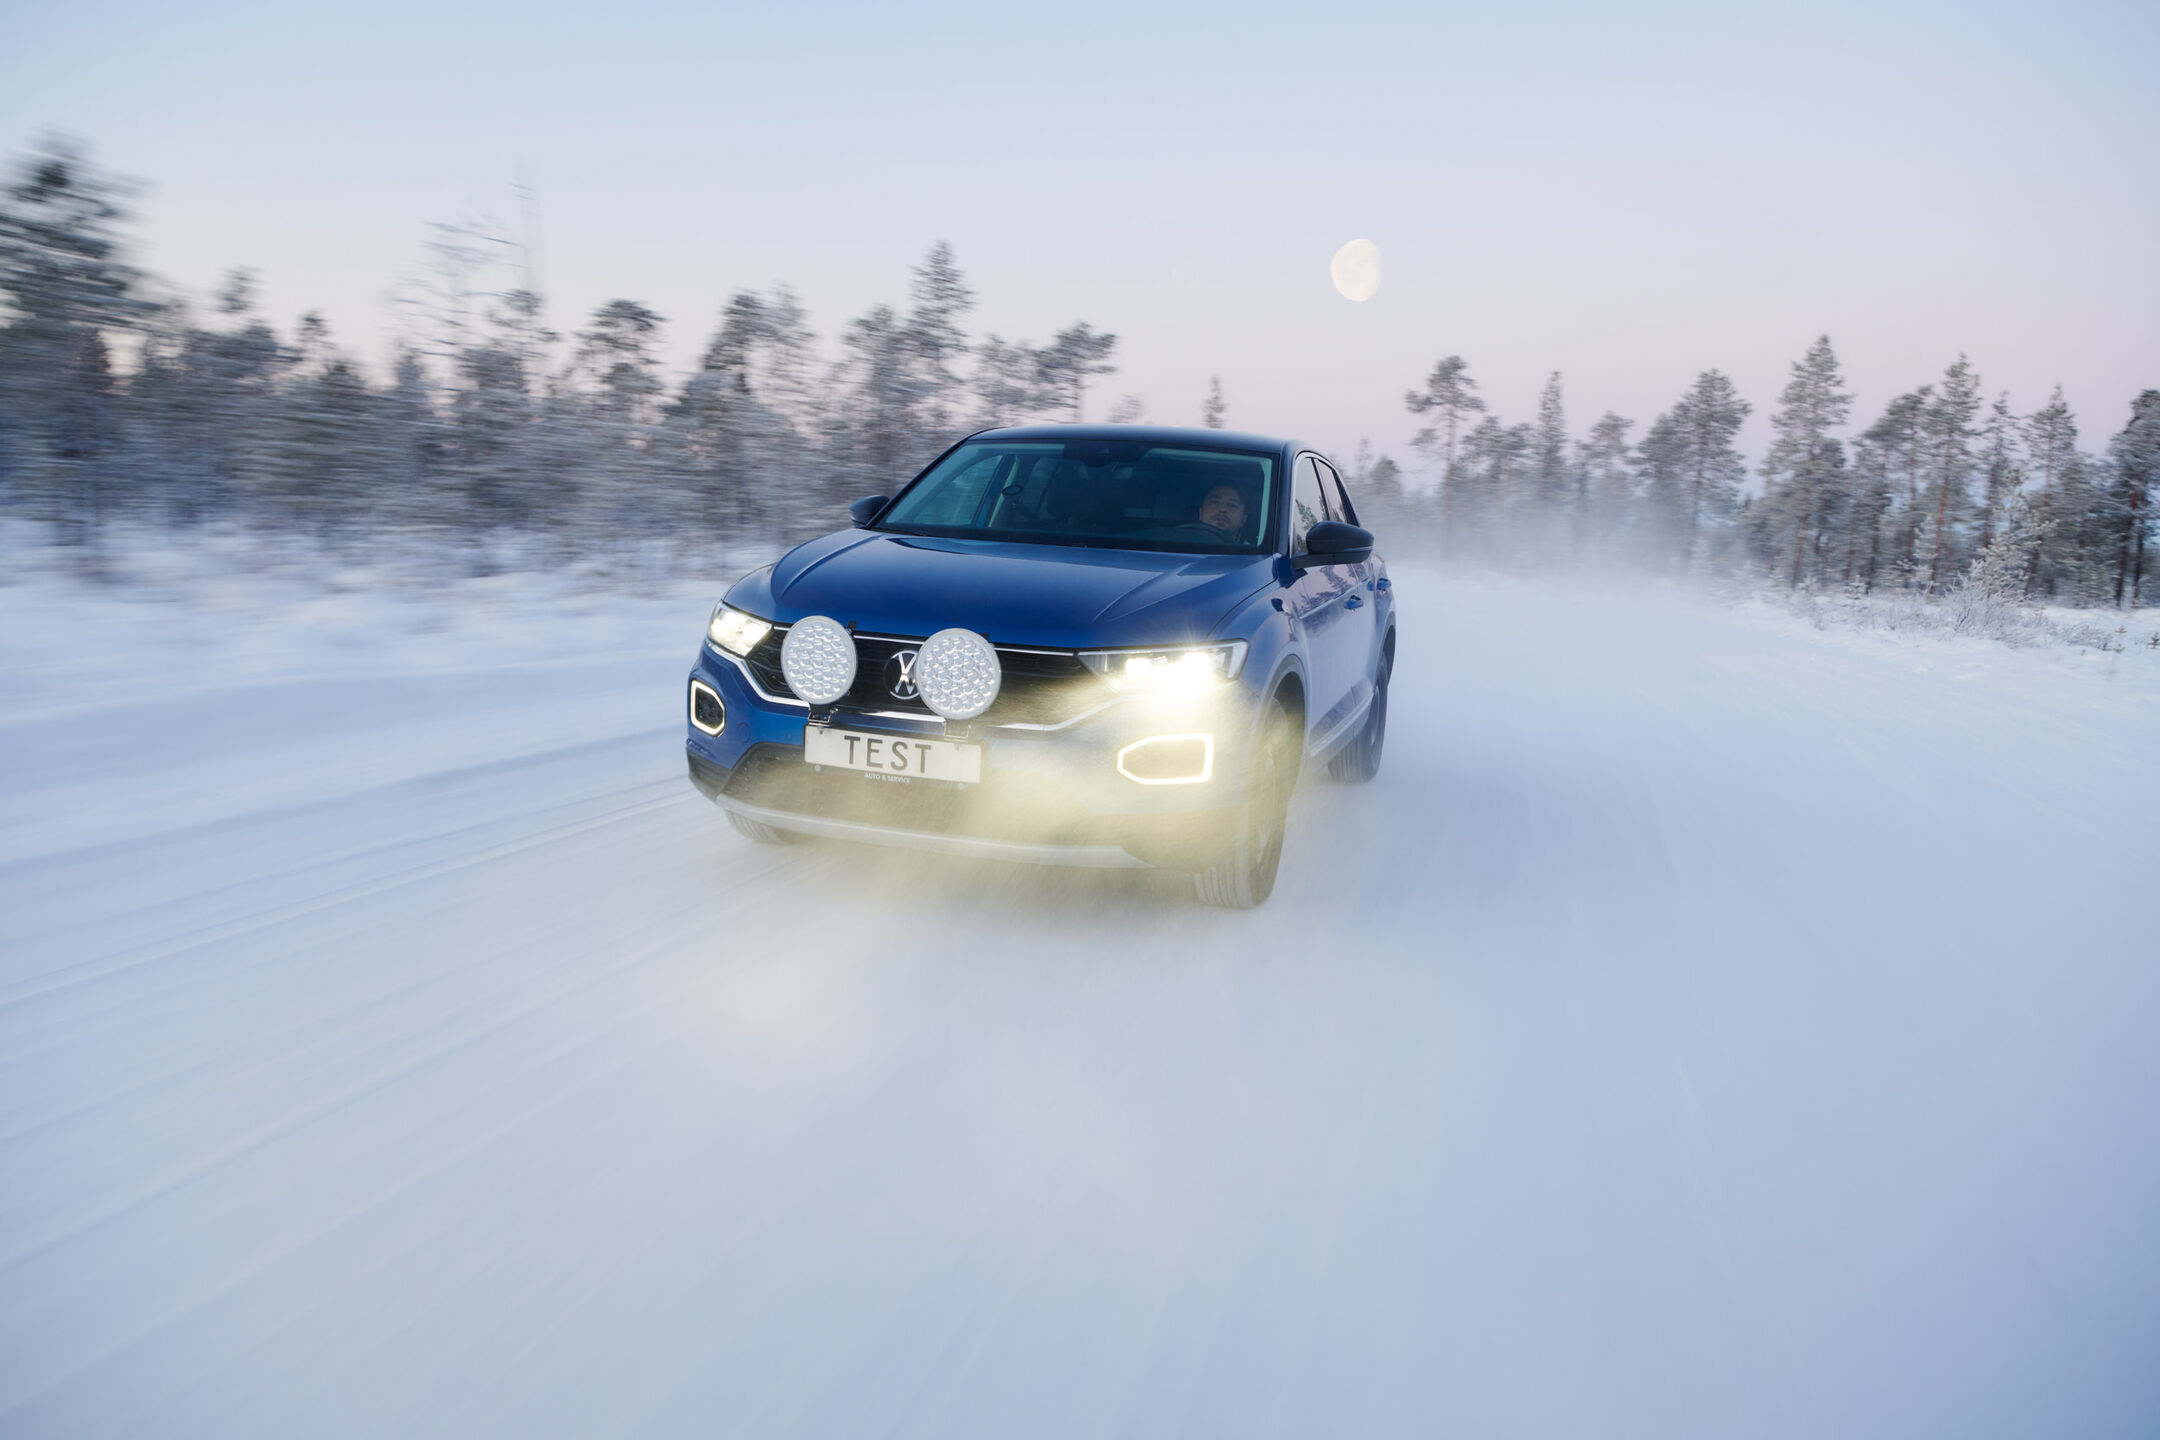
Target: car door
column 1315, row 606
column 1359, row 626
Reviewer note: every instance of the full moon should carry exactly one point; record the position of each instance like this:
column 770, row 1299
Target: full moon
column 1356, row 270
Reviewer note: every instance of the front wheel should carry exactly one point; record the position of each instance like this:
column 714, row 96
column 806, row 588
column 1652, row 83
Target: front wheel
column 1359, row 761
column 1244, row 875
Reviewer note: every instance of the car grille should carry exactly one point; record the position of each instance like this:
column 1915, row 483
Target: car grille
column 1039, row 687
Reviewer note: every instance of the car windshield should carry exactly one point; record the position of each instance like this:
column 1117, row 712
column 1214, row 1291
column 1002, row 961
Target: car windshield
column 1122, row 494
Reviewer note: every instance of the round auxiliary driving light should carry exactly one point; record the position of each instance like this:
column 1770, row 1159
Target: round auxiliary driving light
column 957, row 674
column 818, row 659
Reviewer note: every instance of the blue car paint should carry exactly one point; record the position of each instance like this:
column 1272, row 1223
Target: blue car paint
column 1306, row 630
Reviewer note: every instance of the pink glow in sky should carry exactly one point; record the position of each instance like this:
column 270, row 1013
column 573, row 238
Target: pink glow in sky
column 1626, row 198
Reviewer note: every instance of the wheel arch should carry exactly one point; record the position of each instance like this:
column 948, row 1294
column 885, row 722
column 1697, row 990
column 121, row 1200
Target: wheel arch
column 1288, row 691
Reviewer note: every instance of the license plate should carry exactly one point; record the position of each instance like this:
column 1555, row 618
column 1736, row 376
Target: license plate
column 915, row 757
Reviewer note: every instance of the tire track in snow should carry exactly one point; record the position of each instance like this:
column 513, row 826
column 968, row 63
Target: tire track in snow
column 146, row 954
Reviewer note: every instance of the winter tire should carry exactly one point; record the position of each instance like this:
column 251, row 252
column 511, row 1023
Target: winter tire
column 1359, row 761
column 1244, row 876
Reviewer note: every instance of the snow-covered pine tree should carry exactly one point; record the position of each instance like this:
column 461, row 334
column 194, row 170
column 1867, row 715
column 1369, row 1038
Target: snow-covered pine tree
column 716, row 418
column 408, row 442
column 1006, row 382
column 871, row 429
column 1883, row 519
column 1609, row 483
column 1551, row 487
column 236, row 370
column 1997, row 573
column 1705, row 423
column 1384, row 505
column 2051, row 437
column 784, row 367
column 617, row 352
column 1384, row 480
column 1211, row 409
column 65, row 285
column 940, row 297
column 497, row 409
column 1450, row 397
column 1065, row 365
column 1799, row 478
column 1947, row 434
column 323, row 442
column 2001, row 473
column 1661, row 476
column 1493, row 480
column 618, row 365
column 2135, row 453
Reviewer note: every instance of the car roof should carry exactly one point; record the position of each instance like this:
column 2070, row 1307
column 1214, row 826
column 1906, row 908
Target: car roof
column 1159, row 434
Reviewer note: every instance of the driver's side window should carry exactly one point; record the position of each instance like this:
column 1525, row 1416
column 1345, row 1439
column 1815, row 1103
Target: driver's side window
column 1307, row 505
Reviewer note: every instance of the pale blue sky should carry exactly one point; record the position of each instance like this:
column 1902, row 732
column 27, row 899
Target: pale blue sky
column 1625, row 195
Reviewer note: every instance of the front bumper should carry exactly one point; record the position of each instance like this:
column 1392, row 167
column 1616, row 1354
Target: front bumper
column 1048, row 795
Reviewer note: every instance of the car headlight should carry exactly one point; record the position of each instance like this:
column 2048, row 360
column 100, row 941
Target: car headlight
column 1185, row 667
column 735, row 631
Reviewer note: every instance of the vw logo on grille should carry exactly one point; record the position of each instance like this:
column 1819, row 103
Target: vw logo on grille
column 900, row 675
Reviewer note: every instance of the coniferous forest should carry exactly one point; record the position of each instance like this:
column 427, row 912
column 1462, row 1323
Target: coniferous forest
column 122, row 403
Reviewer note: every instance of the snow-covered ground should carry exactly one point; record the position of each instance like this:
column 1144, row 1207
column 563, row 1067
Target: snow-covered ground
column 1709, row 1026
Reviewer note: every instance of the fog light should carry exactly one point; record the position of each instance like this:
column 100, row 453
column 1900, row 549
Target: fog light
column 1168, row 760
column 707, row 712
column 818, row 659
column 957, row 674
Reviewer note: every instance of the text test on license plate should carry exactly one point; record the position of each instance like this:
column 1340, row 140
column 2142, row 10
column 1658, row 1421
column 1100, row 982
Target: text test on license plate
column 916, row 757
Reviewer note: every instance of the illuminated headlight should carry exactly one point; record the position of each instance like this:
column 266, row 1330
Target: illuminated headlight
column 1186, row 668
column 818, row 659
column 957, row 674
column 735, row 631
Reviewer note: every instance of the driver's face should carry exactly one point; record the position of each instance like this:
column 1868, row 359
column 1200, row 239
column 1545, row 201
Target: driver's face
column 1224, row 509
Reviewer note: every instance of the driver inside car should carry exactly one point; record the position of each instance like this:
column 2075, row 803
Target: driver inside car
column 1222, row 510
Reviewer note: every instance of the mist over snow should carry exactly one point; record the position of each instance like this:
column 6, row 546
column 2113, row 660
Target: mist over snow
column 1712, row 1024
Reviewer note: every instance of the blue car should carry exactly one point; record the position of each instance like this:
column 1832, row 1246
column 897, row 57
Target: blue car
column 1063, row 644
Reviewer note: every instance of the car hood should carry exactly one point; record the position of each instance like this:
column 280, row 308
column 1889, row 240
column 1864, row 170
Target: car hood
column 1056, row 596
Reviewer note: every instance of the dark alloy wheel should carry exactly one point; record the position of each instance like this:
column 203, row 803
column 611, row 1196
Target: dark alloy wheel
column 1359, row 761
column 1244, row 875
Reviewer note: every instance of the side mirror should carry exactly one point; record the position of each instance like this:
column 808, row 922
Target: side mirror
column 1333, row 543
column 865, row 510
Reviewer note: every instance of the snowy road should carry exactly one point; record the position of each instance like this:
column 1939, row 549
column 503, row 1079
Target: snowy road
column 1707, row 1027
